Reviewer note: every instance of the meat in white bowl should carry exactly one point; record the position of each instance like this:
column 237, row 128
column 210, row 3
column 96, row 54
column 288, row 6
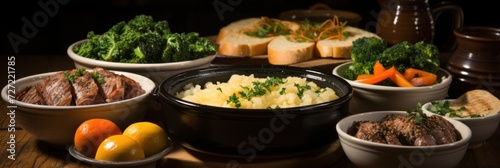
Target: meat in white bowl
column 56, row 125
column 364, row 153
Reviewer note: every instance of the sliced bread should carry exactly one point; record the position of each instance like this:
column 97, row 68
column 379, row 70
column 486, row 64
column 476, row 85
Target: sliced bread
column 340, row 48
column 281, row 51
column 234, row 42
column 236, row 26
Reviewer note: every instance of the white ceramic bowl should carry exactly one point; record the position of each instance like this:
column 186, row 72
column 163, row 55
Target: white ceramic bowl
column 56, row 125
column 482, row 127
column 149, row 162
column 364, row 153
column 376, row 98
column 155, row 71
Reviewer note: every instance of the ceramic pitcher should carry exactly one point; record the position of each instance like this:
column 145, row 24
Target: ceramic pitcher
column 475, row 64
column 413, row 20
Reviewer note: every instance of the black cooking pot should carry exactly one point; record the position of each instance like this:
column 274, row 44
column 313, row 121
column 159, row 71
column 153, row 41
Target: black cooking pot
column 251, row 133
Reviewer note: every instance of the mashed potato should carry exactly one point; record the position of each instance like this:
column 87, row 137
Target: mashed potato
column 249, row 92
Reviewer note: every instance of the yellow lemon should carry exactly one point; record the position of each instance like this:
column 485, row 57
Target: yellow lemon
column 150, row 136
column 119, row 148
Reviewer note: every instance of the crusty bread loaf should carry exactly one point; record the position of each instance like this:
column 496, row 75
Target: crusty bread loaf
column 236, row 26
column 478, row 101
column 281, row 51
column 233, row 42
column 340, row 48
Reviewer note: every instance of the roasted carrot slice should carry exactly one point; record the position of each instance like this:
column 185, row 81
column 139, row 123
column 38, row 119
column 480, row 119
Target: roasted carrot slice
column 378, row 68
column 380, row 77
column 400, row 80
column 412, row 72
column 363, row 76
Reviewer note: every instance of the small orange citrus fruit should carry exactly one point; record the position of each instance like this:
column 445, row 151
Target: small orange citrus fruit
column 119, row 148
column 150, row 136
column 91, row 133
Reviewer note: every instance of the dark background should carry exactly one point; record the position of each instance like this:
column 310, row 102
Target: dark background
column 73, row 19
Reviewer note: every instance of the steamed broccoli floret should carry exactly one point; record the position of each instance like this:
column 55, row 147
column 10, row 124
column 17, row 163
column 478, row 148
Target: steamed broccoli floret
column 426, row 57
column 397, row 55
column 364, row 53
column 367, row 50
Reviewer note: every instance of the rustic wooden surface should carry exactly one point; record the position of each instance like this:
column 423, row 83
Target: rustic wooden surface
column 30, row 152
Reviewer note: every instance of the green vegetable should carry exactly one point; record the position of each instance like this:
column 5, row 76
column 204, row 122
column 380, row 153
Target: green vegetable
column 442, row 107
column 367, row 50
column 143, row 40
column 417, row 113
column 267, row 27
column 301, row 89
column 261, row 88
column 234, row 99
column 71, row 77
column 98, row 77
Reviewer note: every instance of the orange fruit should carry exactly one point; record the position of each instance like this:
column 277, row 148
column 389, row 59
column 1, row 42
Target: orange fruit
column 119, row 148
column 152, row 138
column 91, row 133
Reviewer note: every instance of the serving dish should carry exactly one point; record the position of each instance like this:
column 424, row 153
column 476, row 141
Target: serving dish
column 230, row 132
column 56, row 125
column 155, row 71
column 148, row 162
column 482, row 127
column 363, row 153
column 369, row 97
column 318, row 13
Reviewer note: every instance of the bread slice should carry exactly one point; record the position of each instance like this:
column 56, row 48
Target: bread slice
column 241, row 45
column 281, row 51
column 479, row 102
column 233, row 42
column 340, row 48
column 236, row 26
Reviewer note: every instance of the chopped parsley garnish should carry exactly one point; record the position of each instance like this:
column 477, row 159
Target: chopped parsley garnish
column 97, row 77
column 219, row 89
column 282, row 91
column 275, row 108
column 234, row 99
column 268, row 27
column 71, row 77
column 442, row 107
column 418, row 114
column 301, row 89
column 260, row 88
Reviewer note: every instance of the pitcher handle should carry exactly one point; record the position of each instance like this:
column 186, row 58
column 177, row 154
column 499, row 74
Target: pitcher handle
column 458, row 21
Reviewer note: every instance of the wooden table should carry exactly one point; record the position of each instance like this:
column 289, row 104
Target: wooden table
column 30, row 152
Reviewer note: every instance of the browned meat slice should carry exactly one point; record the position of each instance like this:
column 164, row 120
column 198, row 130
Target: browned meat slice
column 85, row 90
column 56, row 90
column 112, row 87
column 374, row 132
column 31, row 94
column 442, row 130
column 408, row 129
column 132, row 88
